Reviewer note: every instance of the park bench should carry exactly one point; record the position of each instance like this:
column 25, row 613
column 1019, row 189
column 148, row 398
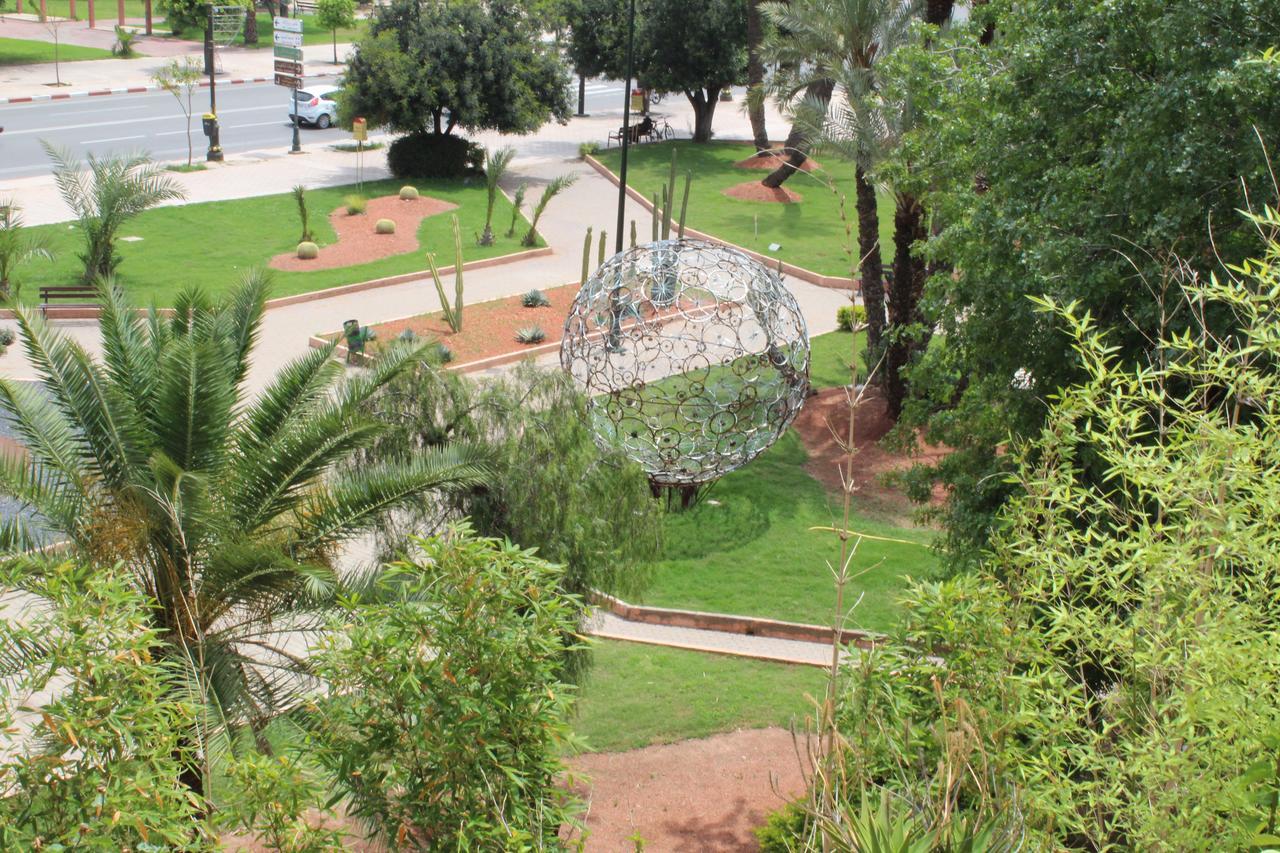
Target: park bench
column 81, row 294
column 305, row 7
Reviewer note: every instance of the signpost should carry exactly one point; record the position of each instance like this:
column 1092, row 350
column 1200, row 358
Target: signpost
column 287, row 36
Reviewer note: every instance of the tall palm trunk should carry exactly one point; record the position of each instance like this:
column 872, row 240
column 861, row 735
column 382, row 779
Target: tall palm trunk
column 872, row 267
column 905, row 291
column 755, row 77
column 798, row 141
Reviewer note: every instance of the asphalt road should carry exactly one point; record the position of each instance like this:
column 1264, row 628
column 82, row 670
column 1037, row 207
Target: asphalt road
column 253, row 116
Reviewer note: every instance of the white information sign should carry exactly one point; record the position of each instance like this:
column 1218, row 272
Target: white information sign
column 288, row 25
column 288, row 39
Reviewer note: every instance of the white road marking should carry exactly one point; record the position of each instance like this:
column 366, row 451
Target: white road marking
column 112, row 139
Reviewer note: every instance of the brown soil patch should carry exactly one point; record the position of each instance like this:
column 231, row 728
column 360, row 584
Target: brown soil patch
column 826, row 416
column 773, row 161
column 756, row 191
column 697, row 795
column 357, row 244
column 488, row 328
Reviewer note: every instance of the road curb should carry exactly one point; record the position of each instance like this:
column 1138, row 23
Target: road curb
column 135, row 90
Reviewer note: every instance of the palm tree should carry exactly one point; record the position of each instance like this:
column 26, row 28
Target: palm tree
column 17, row 247
column 557, row 185
column 112, row 191
column 830, row 43
column 224, row 509
column 495, row 166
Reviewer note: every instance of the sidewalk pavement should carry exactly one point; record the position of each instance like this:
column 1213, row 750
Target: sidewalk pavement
column 19, row 83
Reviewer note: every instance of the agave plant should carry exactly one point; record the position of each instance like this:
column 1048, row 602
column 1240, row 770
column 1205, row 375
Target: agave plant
column 112, row 191
column 222, row 507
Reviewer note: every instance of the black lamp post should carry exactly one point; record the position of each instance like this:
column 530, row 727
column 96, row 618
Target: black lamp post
column 626, row 123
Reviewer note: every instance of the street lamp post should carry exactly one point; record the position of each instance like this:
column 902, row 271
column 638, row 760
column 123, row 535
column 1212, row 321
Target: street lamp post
column 626, row 124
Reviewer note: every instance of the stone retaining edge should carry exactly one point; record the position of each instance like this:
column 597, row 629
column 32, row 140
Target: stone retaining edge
column 831, row 281
column 751, row 626
column 91, row 312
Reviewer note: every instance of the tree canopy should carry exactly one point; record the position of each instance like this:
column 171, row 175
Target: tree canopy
column 1067, row 158
column 698, row 49
column 432, row 67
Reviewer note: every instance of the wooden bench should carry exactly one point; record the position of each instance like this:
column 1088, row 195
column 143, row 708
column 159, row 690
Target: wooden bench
column 305, row 7
column 82, row 294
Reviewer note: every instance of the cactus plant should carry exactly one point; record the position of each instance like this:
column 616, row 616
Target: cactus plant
column 586, row 257
column 385, row 226
column 531, row 335
column 452, row 313
column 408, row 193
column 308, row 251
column 535, row 299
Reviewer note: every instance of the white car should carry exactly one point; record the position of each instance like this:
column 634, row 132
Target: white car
column 317, row 105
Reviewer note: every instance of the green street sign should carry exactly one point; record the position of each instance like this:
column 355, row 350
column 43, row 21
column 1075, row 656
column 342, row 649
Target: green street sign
column 294, row 53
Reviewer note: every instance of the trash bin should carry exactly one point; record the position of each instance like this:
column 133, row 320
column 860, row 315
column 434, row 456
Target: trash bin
column 637, row 100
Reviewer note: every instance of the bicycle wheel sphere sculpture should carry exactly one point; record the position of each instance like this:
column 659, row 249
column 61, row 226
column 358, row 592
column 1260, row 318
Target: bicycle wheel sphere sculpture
column 695, row 358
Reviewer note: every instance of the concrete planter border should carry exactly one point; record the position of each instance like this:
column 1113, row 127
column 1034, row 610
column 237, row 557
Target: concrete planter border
column 730, row 624
column 831, row 281
column 91, row 312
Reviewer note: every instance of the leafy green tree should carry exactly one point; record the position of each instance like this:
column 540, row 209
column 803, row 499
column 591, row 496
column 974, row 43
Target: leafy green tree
column 92, row 760
column 17, row 247
column 111, row 192
column 222, row 507
column 335, row 14
column 180, row 78
column 1065, row 158
column 699, row 49
column 583, row 507
column 445, row 718
column 1112, row 661
column 431, row 67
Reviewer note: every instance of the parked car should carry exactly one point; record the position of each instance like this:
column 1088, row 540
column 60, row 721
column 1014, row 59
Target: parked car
column 317, row 105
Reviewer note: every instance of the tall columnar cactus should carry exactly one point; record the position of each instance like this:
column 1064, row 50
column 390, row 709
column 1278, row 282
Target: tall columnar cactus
column 684, row 204
column 633, row 233
column 452, row 313
column 586, row 257
column 600, row 258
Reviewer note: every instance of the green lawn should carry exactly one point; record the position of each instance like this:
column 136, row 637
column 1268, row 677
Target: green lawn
column 636, row 695
column 811, row 233
column 830, row 356
column 212, row 244
column 312, row 33
column 104, row 10
column 748, row 549
column 26, row 52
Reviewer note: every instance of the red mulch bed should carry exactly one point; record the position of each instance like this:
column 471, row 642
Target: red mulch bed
column 756, row 191
column 358, row 244
column 696, row 795
column 488, row 328
column 773, row 161
column 825, row 417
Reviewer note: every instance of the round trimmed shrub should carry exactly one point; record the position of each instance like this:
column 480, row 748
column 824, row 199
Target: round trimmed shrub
column 432, row 155
column 385, row 226
column 408, row 193
column 308, row 251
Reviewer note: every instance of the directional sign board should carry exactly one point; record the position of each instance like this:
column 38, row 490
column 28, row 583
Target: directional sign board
column 288, row 25
column 285, row 66
column 287, row 39
column 288, row 81
column 294, row 53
